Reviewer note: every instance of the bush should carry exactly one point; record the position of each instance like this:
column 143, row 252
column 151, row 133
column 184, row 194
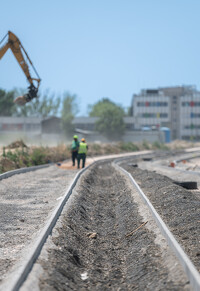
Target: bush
column 26, row 157
column 159, row 146
column 128, row 147
column 145, row 145
column 94, row 149
column 38, row 156
column 11, row 156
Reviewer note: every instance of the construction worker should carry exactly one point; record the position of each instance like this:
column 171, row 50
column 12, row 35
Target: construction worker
column 74, row 149
column 82, row 152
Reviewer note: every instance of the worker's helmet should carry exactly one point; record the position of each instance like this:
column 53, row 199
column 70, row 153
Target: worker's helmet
column 82, row 139
column 75, row 137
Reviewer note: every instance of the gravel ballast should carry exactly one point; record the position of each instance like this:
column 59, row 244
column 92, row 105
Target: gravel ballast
column 93, row 247
column 178, row 207
column 105, row 239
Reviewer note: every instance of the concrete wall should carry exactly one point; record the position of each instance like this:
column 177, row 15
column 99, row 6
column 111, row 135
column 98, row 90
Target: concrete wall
column 56, row 139
column 31, row 131
column 129, row 136
column 140, row 136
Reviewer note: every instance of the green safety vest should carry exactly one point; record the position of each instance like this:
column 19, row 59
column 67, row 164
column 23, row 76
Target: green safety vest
column 75, row 145
column 82, row 148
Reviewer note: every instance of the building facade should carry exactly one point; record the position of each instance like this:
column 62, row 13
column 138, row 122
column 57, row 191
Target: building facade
column 177, row 108
column 30, row 125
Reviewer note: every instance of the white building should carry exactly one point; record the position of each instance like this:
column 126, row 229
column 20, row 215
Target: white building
column 177, row 108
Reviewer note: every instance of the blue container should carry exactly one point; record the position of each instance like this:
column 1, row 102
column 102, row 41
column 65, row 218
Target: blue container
column 167, row 133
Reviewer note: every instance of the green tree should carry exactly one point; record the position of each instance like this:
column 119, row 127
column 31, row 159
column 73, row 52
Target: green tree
column 69, row 111
column 110, row 122
column 98, row 108
column 7, row 106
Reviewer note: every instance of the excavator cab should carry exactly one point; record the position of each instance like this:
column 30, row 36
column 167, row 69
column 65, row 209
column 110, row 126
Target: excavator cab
column 19, row 52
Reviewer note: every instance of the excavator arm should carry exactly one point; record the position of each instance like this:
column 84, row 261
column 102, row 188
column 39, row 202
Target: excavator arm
column 19, row 52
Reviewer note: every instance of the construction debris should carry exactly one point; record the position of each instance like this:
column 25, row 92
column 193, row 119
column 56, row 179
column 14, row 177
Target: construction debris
column 92, row 235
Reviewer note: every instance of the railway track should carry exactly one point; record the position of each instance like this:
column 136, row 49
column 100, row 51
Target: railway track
column 104, row 240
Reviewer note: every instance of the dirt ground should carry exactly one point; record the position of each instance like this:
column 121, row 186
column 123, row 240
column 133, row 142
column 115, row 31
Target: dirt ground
column 94, row 247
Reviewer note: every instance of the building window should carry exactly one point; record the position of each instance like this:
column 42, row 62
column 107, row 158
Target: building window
column 153, row 115
column 194, row 115
column 192, row 126
column 190, row 103
column 152, row 104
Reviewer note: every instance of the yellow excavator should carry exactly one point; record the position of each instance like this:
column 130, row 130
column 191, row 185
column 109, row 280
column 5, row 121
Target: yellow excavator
column 20, row 54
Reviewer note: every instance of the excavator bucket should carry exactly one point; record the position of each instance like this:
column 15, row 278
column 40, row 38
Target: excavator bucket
column 32, row 93
column 19, row 52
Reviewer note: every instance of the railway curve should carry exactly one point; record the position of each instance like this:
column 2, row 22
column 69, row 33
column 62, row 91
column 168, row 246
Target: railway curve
column 94, row 235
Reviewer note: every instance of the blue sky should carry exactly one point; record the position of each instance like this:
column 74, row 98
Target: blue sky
column 104, row 48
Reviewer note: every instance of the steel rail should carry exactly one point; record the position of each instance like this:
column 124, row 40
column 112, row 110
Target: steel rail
column 20, row 276
column 190, row 270
column 23, row 170
column 22, row 273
